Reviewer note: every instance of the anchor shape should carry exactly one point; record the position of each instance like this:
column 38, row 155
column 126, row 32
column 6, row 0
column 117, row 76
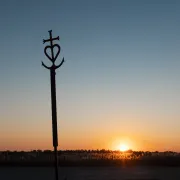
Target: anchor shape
column 52, row 58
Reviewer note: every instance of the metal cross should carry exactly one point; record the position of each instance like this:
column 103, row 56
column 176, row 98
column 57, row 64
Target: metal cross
column 52, row 69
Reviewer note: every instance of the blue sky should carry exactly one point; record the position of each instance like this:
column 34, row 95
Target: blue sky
column 120, row 77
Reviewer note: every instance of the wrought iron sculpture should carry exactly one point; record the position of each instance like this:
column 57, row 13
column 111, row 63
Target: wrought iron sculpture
column 52, row 57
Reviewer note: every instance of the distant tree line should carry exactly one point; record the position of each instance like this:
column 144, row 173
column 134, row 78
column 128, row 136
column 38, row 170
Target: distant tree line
column 89, row 158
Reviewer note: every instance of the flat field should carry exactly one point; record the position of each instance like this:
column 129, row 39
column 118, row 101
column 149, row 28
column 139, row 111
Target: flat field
column 91, row 173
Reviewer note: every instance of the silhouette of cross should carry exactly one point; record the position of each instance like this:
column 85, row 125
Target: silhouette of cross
column 50, row 39
column 53, row 92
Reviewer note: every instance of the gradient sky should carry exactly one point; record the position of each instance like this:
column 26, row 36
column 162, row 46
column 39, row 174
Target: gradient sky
column 119, row 83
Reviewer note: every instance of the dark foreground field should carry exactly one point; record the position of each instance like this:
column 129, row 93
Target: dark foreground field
column 91, row 173
column 152, row 162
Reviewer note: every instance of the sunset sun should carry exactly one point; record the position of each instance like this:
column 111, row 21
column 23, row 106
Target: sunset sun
column 123, row 147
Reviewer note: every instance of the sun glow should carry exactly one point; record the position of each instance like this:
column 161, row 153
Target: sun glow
column 122, row 144
column 123, row 147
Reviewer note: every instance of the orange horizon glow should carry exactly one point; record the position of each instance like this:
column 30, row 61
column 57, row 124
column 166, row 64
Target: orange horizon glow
column 123, row 143
column 101, row 138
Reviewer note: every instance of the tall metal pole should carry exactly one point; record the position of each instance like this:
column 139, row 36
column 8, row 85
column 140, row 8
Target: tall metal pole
column 52, row 69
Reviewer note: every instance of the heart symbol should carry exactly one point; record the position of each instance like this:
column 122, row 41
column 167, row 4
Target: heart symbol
column 52, row 47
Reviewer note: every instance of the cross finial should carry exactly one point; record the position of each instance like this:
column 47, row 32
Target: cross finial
column 52, row 57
